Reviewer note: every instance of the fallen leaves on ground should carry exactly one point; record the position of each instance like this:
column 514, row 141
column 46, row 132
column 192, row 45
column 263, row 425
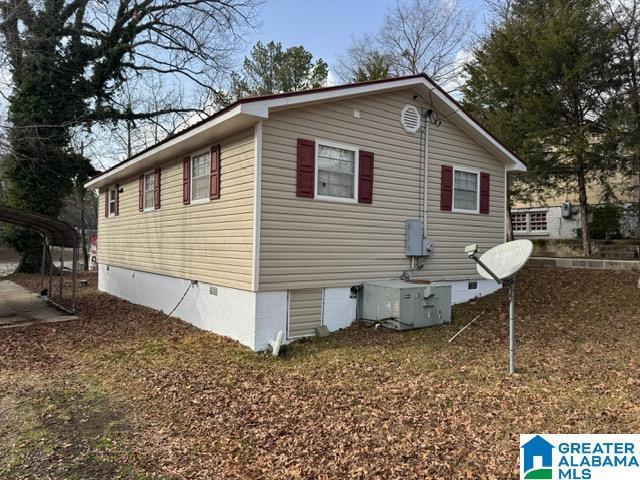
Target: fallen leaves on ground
column 127, row 392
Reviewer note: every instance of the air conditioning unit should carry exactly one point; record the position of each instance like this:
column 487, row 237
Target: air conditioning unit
column 403, row 305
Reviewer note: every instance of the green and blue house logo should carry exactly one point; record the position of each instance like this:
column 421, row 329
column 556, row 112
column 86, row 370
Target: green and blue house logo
column 579, row 456
column 536, row 459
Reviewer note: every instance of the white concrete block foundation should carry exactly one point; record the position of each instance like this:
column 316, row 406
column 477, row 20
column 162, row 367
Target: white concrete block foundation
column 463, row 291
column 252, row 318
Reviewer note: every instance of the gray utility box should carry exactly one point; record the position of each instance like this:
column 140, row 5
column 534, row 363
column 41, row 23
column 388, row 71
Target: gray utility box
column 415, row 245
column 403, row 305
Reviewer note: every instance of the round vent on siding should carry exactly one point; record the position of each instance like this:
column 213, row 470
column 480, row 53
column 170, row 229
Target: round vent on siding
column 410, row 119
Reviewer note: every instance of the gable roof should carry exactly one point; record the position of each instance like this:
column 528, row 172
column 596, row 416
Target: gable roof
column 247, row 111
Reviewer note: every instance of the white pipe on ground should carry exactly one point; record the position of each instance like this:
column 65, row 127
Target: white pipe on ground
column 277, row 343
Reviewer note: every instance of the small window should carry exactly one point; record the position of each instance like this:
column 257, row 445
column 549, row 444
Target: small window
column 336, row 171
column 465, row 191
column 200, row 176
column 472, row 286
column 148, row 191
column 529, row 222
column 538, row 221
column 113, row 200
column 519, row 222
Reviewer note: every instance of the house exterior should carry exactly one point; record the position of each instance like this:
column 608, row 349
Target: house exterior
column 557, row 216
column 265, row 215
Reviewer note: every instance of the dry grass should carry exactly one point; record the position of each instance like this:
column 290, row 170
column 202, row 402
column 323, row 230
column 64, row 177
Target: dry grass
column 128, row 393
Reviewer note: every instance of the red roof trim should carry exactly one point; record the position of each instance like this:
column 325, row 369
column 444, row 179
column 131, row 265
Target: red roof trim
column 304, row 92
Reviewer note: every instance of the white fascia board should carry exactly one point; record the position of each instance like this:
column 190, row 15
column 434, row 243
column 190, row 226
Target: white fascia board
column 259, row 109
column 262, row 108
column 512, row 162
column 237, row 113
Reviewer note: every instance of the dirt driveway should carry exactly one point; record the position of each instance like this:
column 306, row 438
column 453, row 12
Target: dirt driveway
column 126, row 392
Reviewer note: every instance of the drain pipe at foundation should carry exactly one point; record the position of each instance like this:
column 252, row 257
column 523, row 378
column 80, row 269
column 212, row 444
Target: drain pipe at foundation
column 277, row 343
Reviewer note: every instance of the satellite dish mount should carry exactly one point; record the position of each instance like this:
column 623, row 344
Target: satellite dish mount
column 501, row 264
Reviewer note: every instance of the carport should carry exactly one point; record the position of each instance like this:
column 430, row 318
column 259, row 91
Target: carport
column 55, row 234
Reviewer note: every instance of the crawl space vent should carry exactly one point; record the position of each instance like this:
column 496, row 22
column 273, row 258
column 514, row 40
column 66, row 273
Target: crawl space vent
column 410, row 119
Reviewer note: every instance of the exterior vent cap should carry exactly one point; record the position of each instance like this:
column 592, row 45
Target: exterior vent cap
column 410, row 118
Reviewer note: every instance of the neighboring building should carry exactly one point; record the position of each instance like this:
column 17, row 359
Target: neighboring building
column 558, row 216
column 265, row 215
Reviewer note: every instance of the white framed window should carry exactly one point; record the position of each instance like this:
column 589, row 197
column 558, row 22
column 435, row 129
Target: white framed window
column 149, row 198
column 519, row 221
column 529, row 222
column 466, row 190
column 538, row 221
column 336, row 172
column 200, row 176
column 113, row 202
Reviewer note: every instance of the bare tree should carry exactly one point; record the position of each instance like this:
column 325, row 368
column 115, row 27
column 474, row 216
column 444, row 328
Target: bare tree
column 625, row 16
column 416, row 36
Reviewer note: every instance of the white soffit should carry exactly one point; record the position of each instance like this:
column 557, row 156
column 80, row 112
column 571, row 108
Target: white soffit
column 248, row 112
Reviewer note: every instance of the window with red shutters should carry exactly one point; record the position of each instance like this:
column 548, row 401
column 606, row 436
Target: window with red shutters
column 446, row 188
column 141, row 193
column 306, row 168
column 214, row 191
column 485, row 180
column 156, row 188
column 186, row 180
column 117, row 208
column 365, row 177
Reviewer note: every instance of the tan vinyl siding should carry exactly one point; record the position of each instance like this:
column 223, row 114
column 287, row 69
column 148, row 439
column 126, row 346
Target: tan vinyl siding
column 211, row 242
column 308, row 243
column 452, row 231
column 305, row 312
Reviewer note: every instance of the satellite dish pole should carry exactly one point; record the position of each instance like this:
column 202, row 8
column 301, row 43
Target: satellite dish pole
column 501, row 264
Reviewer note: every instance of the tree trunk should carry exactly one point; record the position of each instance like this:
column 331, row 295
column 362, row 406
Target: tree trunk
column 584, row 214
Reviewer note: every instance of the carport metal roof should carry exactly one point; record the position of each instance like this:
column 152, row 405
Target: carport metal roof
column 58, row 233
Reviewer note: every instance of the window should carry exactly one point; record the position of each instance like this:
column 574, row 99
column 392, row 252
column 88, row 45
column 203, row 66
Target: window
column 472, row 286
column 113, row 200
column 529, row 222
column 148, row 191
column 538, row 221
column 465, row 191
column 200, row 176
column 336, row 171
column 519, row 222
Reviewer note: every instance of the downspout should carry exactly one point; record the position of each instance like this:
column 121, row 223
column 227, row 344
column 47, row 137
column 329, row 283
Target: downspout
column 426, row 170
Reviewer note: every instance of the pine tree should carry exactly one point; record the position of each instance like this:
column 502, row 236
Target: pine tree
column 545, row 82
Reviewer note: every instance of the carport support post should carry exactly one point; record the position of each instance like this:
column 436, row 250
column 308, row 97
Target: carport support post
column 44, row 256
column 61, row 269
column 74, row 268
column 512, row 325
column 50, row 252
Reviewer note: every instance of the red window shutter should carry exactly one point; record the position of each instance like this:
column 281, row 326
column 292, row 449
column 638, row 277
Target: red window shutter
column 117, row 212
column 446, row 188
column 106, row 203
column 141, row 193
column 186, row 180
column 306, row 168
column 214, row 189
column 485, row 180
column 156, row 188
column 365, row 177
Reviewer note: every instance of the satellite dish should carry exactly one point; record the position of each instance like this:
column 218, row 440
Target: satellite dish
column 501, row 264
column 506, row 259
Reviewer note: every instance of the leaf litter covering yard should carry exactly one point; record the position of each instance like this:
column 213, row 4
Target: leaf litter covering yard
column 126, row 392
